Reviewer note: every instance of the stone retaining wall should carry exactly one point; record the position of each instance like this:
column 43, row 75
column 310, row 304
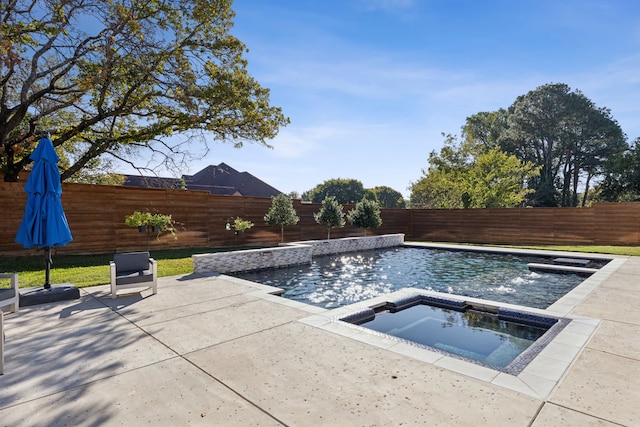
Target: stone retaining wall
column 252, row 259
column 288, row 254
column 353, row 244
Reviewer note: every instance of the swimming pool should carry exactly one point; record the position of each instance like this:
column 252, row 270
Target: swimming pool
column 337, row 280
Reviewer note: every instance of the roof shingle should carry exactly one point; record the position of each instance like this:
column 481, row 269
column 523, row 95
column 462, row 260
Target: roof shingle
column 220, row 180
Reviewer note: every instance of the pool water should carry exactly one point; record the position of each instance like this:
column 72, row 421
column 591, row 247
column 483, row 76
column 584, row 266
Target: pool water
column 338, row 280
column 472, row 334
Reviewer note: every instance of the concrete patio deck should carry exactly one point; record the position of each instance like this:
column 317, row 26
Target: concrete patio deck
column 217, row 351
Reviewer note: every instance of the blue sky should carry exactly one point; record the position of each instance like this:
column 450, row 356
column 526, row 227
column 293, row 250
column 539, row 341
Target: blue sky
column 370, row 85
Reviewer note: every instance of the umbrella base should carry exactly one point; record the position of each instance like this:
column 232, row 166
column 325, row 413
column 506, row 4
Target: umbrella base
column 35, row 296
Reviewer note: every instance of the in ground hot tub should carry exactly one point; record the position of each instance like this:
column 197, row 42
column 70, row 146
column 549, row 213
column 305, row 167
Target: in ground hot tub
column 499, row 338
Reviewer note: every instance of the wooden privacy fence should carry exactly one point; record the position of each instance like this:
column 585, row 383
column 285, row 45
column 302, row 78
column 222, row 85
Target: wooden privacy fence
column 96, row 217
column 601, row 224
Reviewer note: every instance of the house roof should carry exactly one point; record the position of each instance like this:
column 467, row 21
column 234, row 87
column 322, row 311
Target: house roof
column 220, row 180
column 151, row 182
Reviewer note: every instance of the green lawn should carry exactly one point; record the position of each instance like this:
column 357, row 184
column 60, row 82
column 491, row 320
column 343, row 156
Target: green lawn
column 91, row 270
column 613, row 250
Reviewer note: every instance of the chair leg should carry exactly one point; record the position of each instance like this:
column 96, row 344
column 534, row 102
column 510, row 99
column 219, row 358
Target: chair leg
column 1, row 343
column 15, row 307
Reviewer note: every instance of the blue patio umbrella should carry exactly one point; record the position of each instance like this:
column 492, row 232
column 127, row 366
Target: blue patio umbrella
column 44, row 224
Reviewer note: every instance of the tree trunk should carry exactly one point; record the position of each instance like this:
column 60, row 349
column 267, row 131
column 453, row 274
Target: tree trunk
column 586, row 191
column 576, row 178
column 11, row 170
column 566, row 185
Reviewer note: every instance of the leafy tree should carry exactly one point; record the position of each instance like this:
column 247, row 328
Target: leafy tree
column 595, row 153
column 281, row 213
column 558, row 129
column 442, row 184
column 464, row 176
column 350, row 191
column 366, row 215
column 129, row 78
column 564, row 133
column 345, row 191
column 622, row 181
column 486, row 129
column 330, row 214
column 496, row 180
column 439, row 189
column 387, row 197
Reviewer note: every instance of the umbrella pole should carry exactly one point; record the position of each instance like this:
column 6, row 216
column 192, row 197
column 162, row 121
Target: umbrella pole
column 47, row 263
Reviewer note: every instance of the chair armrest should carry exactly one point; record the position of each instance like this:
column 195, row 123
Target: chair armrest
column 1, row 342
column 13, row 277
column 153, row 266
column 112, row 271
column 154, row 272
column 15, row 304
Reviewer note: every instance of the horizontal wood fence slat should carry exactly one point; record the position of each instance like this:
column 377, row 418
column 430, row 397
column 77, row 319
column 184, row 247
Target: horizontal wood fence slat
column 96, row 216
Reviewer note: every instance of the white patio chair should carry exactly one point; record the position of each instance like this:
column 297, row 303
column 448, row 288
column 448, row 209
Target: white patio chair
column 133, row 270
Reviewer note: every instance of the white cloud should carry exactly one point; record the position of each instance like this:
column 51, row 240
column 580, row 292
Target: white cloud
column 298, row 142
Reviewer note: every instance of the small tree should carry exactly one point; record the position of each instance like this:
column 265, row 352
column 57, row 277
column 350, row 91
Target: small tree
column 330, row 214
column 281, row 213
column 366, row 214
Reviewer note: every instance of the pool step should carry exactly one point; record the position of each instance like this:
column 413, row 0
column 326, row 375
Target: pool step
column 554, row 268
column 578, row 262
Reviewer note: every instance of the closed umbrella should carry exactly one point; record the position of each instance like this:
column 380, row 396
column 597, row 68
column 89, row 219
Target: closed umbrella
column 44, row 224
